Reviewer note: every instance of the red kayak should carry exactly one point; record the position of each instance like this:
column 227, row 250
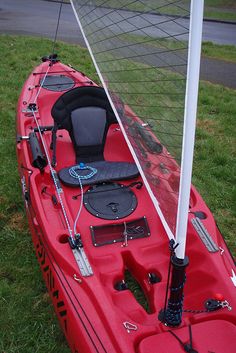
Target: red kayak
column 96, row 232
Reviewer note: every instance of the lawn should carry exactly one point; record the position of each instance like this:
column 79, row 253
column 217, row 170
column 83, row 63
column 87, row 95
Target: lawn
column 28, row 323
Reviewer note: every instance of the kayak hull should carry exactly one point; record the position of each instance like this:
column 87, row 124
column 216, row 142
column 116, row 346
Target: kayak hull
column 99, row 313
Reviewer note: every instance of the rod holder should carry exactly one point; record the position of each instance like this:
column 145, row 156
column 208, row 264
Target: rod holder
column 172, row 314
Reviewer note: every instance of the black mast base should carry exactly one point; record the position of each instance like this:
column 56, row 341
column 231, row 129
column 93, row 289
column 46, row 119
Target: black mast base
column 172, row 314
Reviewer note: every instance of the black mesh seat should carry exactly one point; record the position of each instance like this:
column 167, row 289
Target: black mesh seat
column 106, row 171
column 86, row 114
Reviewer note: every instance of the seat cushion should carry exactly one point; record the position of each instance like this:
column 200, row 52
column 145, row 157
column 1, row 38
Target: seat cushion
column 106, row 171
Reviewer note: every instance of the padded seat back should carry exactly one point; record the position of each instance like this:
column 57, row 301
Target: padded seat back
column 86, row 114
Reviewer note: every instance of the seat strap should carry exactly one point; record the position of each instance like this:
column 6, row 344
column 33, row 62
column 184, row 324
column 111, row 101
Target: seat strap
column 53, row 144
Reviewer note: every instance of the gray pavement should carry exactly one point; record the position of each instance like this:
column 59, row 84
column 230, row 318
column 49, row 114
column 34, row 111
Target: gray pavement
column 39, row 17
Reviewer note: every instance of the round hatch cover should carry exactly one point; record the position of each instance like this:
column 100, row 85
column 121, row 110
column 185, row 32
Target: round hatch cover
column 57, row 83
column 110, row 201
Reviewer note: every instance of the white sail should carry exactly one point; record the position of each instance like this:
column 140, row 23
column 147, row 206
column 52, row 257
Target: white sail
column 140, row 51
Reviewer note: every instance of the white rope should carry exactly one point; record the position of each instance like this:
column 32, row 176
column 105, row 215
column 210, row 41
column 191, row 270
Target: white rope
column 48, row 158
column 53, row 176
column 80, row 207
column 41, row 84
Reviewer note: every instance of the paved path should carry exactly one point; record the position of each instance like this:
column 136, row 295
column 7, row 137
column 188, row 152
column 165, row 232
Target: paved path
column 38, row 17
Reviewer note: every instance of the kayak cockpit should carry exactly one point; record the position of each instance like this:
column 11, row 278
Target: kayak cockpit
column 86, row 114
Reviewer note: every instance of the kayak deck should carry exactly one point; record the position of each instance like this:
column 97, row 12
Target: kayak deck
column 99, row 313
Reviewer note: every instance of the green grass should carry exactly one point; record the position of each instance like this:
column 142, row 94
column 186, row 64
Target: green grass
column 214, row 171
column 220, row 10
column 27, row 320
column 221, row 52
column 209, row 49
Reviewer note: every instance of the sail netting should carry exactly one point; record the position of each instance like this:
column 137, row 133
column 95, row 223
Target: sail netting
column 140, row 51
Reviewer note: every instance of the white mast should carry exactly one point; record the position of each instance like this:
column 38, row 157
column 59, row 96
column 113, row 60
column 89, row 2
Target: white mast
column 194, row 56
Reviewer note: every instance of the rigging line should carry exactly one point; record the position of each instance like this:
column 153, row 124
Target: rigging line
column 153, row 25
column 53, row 72
column 145, row 61
column 161, row 117
column 157, row 68
column 130, row 3
column 150, row 80
column 155, row 123
column 41, row 135
column 168, row 279
column 187, row 347
column 137, row 65
column 167, row 148
column 53, row 175
column 62, row 84
column 105, row 7
column 58, row 21
column 137, row 14
column 152, row 120
column 171, row 113
column 159, row 7
column 49, row 161
column 158, row 123
column 164, row 77
column 156, row 118
column 147, row 39
column 144, row 160
column 175, row 3
column 155, row 106
column 153, row 198
column 163, row 72
column 156, row 53
column 89, row 12
column 136, row 28
column 140, row 28
column 80, row 207
column 144, row 111
column 145, row 93
column 163, row 132
column 166, row 156
column 145, row 100
column 41, row 83
column 144, row 69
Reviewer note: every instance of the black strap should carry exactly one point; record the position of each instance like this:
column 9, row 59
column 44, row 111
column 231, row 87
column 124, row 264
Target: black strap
column 188, row 347
column 53, row 144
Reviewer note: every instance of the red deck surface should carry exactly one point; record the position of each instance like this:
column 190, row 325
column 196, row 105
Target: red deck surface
column 91, row 311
